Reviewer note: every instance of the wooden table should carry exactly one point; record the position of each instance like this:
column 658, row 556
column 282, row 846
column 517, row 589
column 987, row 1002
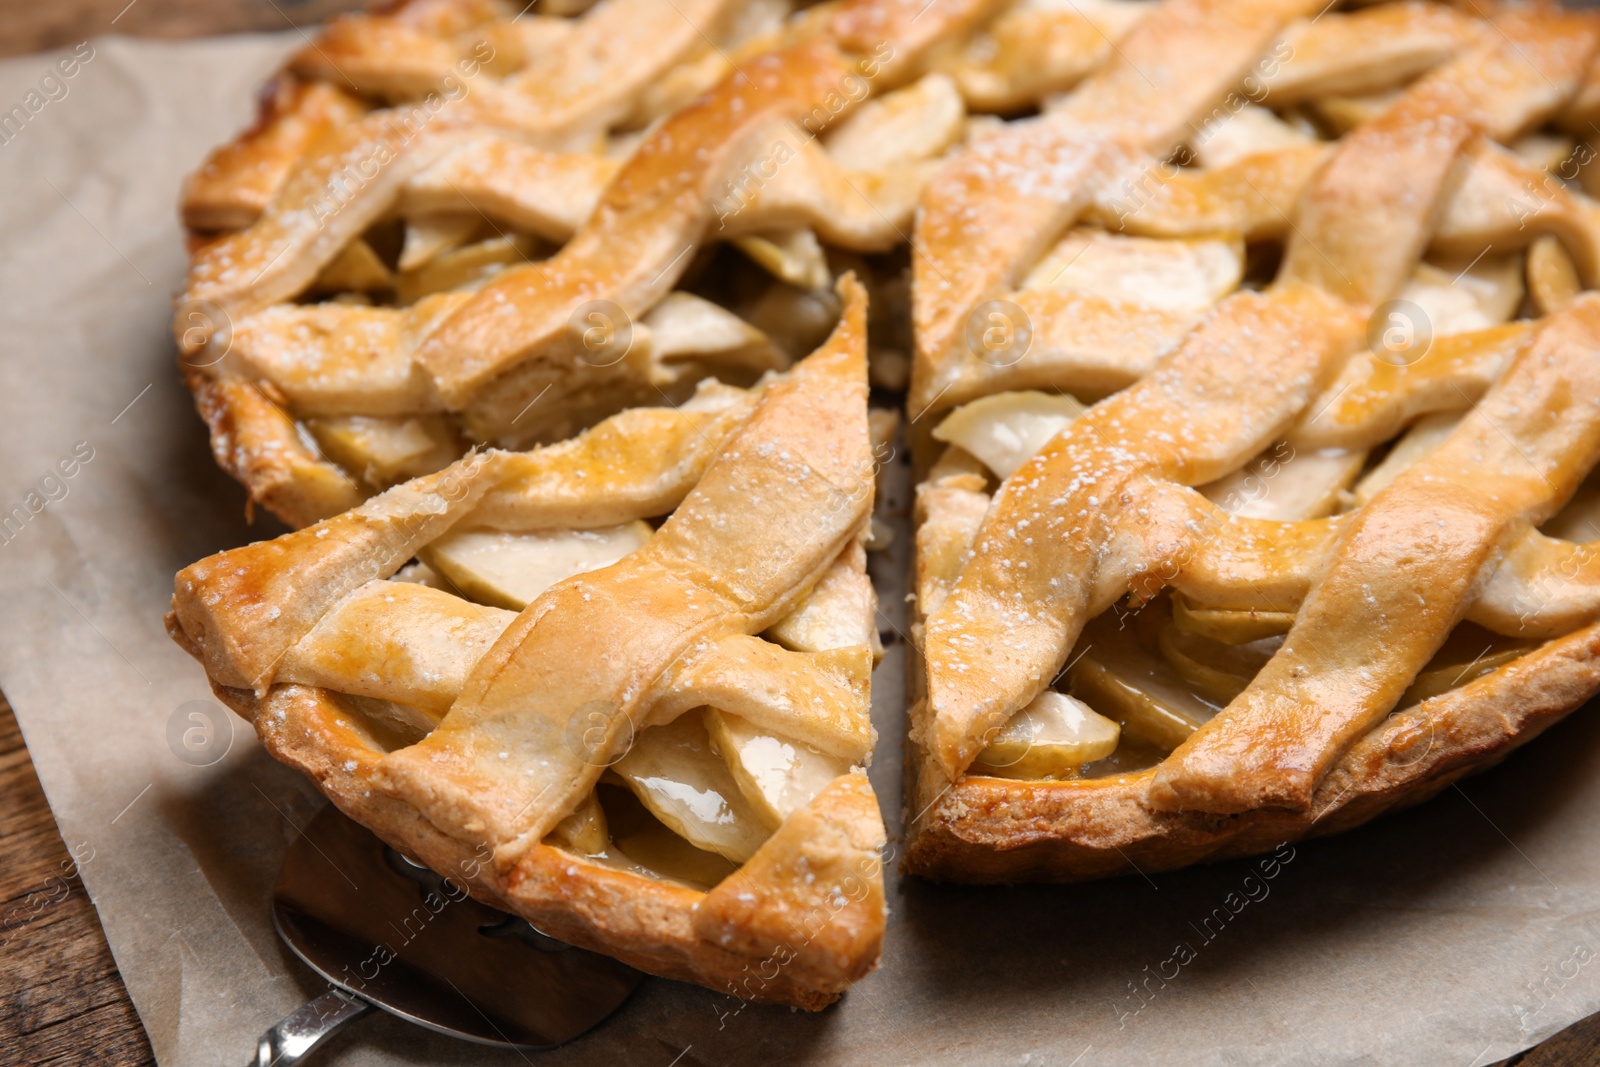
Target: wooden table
column 61, row 998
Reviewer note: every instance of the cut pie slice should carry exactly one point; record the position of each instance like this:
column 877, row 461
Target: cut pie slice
column 627, row 694
column 1254, row 426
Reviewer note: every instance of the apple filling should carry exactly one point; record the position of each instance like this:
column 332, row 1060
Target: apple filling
column 1138, row 687
column 510, row 570
column 1141, row 679
column 1005, row 429
column 694, row 798
column 700, row 788
column 1052, row 734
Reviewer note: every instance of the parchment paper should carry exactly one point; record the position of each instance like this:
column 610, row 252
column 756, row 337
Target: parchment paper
column 1454, row 934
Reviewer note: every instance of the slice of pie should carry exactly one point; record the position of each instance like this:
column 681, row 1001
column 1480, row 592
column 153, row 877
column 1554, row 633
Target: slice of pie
column 617, row 685
column 1258, row 428
column 460, row 223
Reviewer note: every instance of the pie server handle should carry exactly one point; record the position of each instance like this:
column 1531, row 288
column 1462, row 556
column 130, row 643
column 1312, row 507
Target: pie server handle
column 294, row 1036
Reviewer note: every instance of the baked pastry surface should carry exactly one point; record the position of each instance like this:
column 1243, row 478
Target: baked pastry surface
column 1260, row 392
column 458, row 222
column 660, row 755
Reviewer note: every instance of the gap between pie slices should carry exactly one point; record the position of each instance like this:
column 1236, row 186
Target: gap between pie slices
column 660, row 756
column 1214, row 549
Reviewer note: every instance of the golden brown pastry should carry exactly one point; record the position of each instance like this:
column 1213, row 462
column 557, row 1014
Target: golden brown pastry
column 460, row 222
column 617, row 685
column 1259, row 392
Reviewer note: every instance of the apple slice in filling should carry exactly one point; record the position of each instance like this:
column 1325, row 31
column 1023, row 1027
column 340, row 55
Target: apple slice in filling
column 682, row 782
column 1005, row 429
column 510, row 570
column 1231, row 627
column 1128, row 682
column 585, row 830
column 1050, row 738
column 777, row 775
column 642, row 845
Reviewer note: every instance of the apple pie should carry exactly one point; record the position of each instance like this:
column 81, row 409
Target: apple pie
column 617, row 685
column 460, row 223
column 1256, row 394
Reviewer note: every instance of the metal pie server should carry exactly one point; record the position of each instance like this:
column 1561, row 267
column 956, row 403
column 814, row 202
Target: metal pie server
column 387, row 933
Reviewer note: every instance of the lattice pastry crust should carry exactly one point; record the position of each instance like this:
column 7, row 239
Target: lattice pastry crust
column 458, row 223
column 1236, row 599
column 710, row 676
